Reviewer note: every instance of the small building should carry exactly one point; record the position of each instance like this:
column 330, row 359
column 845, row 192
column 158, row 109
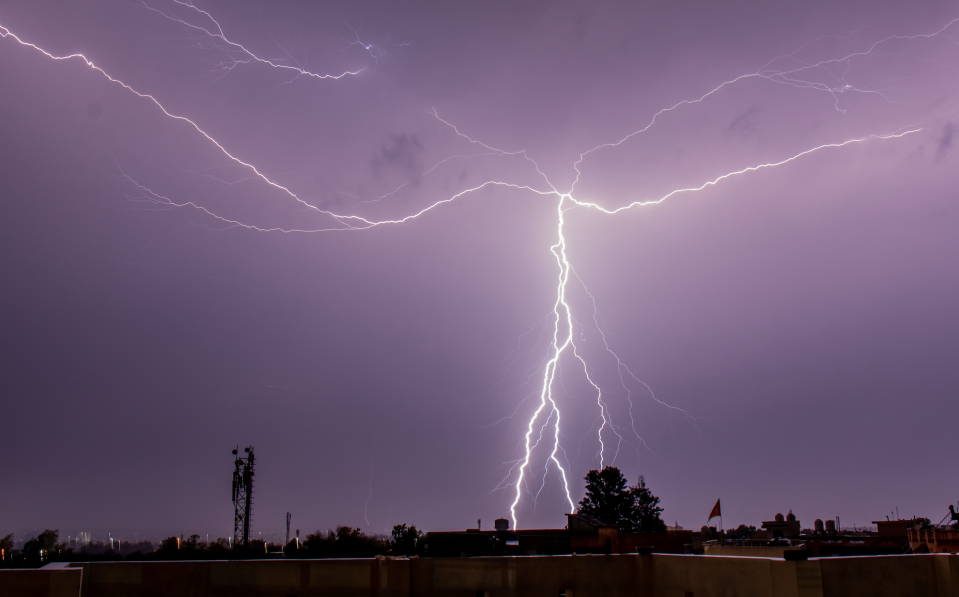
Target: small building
column 782, row 527
column 583, row 535
column 783, row 535
column 933, row 540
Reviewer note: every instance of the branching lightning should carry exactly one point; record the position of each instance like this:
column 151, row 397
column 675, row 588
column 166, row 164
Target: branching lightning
column 237, row 53
column 543, row 429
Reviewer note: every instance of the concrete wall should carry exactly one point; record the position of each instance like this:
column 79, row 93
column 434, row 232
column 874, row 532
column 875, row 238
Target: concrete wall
column 881, row 576
column 42, row 583
column 658, row 575
column 750, row 551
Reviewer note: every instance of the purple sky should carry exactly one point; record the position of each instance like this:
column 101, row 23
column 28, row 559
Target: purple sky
column 796, row 325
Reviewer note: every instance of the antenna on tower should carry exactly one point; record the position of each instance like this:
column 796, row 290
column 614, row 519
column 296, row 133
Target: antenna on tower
column 242, row 496
column 287, row 529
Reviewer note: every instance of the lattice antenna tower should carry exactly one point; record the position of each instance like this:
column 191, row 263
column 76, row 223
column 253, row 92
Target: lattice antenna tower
column 242, row 496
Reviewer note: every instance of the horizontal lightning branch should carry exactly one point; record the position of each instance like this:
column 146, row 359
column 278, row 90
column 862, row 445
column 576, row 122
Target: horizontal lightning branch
column 723, row 177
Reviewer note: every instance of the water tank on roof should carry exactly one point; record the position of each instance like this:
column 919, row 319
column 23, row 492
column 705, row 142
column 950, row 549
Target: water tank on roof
column 817, row 526
column 501, row 524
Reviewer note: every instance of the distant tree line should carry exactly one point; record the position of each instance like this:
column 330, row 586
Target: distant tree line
column 344, row 542
column 629, row 508
column 741, row 532
column 347, row 542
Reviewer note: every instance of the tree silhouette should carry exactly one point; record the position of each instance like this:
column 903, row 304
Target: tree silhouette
column 345, row 542
column 606, row 496
column 406, row 541
column 169, row 549
column 741, row 532
column 644, row 509
column 38, row 549
column 627, row 508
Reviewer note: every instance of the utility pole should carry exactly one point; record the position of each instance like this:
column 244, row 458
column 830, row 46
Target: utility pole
column 287, row 530
column 242, row 497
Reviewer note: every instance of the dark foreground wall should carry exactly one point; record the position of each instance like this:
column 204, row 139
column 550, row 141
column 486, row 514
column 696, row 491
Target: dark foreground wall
column 52, row 583
column 657, row 575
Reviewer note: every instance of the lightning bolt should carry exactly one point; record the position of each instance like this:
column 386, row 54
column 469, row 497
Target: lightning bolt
column 544, row 425
column 237, row 54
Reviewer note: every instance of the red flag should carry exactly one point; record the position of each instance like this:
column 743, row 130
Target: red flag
column 715, row 512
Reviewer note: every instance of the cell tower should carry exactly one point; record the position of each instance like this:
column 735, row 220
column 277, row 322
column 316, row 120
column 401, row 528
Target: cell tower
column 242, row 497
